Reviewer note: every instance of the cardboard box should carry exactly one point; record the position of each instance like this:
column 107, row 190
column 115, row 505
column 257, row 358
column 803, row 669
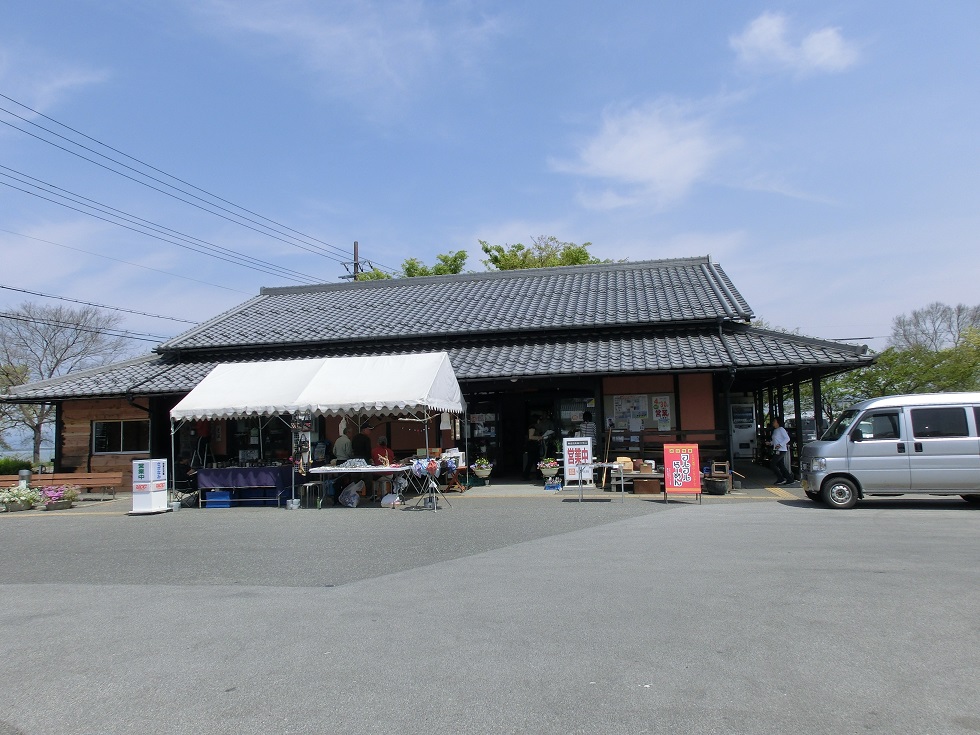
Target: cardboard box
column 647, row 486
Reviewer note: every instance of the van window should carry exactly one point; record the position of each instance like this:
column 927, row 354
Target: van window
column 939, row 422
column 840, row 426
column 880, row 425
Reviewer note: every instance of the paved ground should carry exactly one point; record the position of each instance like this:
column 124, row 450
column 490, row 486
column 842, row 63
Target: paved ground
column 514, row 613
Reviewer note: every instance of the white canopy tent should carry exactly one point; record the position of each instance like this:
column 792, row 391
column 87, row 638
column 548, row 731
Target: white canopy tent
column 416, row 386
column 372, row 385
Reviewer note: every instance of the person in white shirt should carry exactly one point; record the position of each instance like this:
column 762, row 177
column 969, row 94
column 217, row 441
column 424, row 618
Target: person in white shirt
column 588, row 427
column 780, row 454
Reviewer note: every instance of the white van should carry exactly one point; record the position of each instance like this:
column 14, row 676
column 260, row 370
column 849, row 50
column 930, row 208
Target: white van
column 926, row 444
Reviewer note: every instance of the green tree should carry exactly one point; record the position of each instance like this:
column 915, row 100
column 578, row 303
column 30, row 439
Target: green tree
column 934, row 349
column 916, row 369
column 543, row 252
column 446, row 264
column 373, row 275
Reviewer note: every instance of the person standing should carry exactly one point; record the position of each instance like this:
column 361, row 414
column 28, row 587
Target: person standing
column 360, row 447
column 780, row 454
column 588, row 427
column 342, row 448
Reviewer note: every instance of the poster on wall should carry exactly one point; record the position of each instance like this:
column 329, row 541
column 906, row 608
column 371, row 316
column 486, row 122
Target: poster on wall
column 660, row 412
column 682, row 471
column 626, row 407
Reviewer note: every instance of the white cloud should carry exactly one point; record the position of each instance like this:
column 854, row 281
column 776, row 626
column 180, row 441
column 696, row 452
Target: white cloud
column 764, row 44
column 40, row 81
column 376, row 52
column 651, row 154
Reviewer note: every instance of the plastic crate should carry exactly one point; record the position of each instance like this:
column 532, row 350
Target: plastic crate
column 217, row 498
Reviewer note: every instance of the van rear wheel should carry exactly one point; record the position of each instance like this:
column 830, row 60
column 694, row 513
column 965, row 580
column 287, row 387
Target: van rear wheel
column 840, row 493
column 971, row 498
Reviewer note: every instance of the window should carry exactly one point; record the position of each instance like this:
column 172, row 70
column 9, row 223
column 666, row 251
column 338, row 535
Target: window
column 879, row 426
column 115, row 437
column 939, row 422
column 840, row 426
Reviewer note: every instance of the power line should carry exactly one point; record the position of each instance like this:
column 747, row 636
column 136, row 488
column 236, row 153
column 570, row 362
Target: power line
column 162, row 239
column 126, row 262
column 84, row 201
column 143, row 336
column 307, row 240
column 166, row 193
column 100, row 306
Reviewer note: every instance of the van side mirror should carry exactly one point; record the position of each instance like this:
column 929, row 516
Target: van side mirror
column 857, row 435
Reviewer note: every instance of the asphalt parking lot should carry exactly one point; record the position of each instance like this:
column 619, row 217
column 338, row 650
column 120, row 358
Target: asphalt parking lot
column 500, row 614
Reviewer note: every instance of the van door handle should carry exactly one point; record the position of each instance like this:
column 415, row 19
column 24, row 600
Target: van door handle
column 918, row 446
column 901, row 447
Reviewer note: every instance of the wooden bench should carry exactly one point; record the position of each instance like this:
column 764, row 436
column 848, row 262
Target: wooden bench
column 106, row 482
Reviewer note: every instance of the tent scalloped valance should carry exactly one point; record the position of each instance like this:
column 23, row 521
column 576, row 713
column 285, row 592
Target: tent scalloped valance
column 372, row 385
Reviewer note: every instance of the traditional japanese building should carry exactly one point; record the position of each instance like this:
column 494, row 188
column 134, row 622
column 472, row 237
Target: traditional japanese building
column 660, row 350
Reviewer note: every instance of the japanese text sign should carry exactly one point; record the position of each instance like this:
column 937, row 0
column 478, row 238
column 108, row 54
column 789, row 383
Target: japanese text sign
column 577, row 451
column 682, row 469
column 149, row 470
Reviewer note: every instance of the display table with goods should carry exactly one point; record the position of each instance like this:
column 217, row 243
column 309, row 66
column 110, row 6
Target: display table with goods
column 398, row 472
column 222, row 486
column 617, row 473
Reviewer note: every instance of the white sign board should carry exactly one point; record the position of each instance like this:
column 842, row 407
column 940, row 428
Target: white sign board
column 577, row 451
column 149, row 486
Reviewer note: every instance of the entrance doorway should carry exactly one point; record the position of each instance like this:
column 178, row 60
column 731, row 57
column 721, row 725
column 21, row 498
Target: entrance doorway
column 559, row 411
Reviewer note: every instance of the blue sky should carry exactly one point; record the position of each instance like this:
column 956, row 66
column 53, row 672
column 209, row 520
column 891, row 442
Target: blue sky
column 825, row 153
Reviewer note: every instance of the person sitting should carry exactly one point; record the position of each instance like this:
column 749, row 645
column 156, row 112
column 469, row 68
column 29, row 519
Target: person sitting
column 382, row 453
column 383, row 457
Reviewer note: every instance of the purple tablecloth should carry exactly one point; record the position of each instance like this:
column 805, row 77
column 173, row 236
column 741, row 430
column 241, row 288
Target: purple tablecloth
column 281, row 478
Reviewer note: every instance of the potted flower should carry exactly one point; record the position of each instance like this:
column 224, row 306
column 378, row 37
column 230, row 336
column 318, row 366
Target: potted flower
column 549, row 467
column 59, row 497
column 19, row 498
column 481, row 468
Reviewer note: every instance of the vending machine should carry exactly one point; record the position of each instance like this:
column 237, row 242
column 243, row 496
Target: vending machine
column 743, row 430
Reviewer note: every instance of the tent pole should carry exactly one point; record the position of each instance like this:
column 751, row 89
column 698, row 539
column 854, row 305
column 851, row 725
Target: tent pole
column 173, row 463
column 466, row 445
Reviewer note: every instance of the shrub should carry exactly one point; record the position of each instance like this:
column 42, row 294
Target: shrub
column 13, row 465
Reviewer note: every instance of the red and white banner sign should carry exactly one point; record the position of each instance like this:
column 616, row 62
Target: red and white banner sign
column 682, row 468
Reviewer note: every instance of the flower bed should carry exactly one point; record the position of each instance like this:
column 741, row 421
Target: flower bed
column 59, row 497
column 19, row 498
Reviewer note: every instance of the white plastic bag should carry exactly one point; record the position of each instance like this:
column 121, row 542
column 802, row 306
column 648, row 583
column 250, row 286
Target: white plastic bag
column 391, row 500
column 350, row 496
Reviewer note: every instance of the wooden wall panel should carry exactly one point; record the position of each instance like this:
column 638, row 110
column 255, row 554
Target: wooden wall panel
column 697, row 401
column 76, row 436
column 630, row 385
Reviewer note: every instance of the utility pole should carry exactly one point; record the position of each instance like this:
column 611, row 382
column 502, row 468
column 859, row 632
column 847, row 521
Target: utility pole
column 357, row 261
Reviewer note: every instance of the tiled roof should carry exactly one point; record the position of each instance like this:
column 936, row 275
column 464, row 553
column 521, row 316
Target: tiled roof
column 741, row 347
column 660, row 292
column 147, row 375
